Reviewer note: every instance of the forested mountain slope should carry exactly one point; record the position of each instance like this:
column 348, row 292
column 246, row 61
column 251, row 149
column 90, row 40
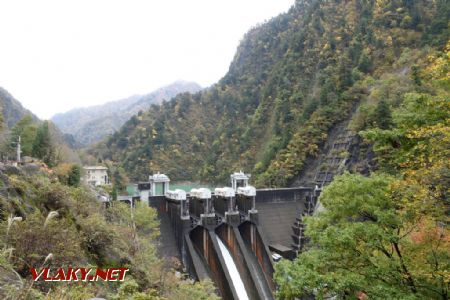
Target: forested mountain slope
column 12, row 110
column 91, row 124
column 292, row 79
column 18, row 121
column 386, row 236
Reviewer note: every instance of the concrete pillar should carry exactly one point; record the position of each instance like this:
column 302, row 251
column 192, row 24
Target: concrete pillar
column 185, row 228
column 253, row 237
column 206, row 206
column 253, row 217
column 184, row 213
column 205, row 244
column 144, row 196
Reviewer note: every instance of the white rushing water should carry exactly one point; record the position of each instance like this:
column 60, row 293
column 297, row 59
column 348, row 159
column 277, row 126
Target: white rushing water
column 232, row 270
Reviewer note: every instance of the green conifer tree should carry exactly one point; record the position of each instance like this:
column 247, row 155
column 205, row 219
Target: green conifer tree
column 74, row 176
column 383, row 115
column 43, row 147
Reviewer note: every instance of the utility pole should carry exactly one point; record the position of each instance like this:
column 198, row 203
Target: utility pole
column 19, row 150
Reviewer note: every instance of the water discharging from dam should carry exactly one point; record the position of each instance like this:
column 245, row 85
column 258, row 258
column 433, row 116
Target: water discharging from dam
column 232, row 270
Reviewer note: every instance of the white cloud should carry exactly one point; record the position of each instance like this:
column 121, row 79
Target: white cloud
column 57, row 54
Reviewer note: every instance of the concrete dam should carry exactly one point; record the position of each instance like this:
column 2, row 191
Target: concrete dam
column 231, row 235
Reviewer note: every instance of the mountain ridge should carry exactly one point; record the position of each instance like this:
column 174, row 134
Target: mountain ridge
column 14, row 113
column 12, row 110
column 90, row 124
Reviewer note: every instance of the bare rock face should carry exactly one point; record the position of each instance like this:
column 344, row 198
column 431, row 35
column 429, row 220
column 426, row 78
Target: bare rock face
column 12, row 170
column 31, row 168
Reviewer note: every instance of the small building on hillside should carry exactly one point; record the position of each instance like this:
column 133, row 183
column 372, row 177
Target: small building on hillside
column 96, row 175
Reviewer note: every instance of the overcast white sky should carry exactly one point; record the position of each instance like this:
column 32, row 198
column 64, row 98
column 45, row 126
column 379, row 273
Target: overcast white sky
column 56, row 55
